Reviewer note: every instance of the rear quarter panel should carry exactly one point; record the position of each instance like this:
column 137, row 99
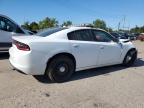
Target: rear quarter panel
column 50, row 48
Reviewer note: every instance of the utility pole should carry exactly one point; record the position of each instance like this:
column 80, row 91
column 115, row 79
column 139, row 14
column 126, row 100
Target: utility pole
column 129, row 28
column 124, row 22
column 119, row 26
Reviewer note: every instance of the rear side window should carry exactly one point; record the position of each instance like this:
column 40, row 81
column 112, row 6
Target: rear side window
column 49, row 31
column 81, row 35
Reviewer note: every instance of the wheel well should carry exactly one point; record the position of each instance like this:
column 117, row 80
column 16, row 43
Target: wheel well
column 129, row 51
column 64, row 54
column 132, row 49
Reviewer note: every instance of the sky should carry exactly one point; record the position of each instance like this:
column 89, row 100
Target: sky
column 78, row 11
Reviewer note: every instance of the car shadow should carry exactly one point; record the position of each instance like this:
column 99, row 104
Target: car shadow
column 42, row 79
column 93, row 72
column 4, row 55
column 139, row 62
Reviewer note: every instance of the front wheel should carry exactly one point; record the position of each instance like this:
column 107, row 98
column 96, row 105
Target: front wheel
column 60, row 69
column 130, row 58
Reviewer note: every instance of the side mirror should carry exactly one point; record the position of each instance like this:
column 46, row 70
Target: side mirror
column 116, row 40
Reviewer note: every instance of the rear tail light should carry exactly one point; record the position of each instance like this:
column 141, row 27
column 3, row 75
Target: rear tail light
column 21, row 46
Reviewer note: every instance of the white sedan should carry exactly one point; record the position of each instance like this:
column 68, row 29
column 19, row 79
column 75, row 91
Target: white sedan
column 59, row 52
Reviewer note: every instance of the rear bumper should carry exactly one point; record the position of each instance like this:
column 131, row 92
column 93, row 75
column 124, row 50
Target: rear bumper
column 26, row 63
column 22, row 69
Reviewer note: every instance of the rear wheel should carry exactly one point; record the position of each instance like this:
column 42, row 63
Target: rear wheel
column 60, row 69
column 130, row 58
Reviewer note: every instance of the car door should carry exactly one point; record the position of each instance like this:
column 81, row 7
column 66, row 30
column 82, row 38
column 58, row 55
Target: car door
column 7, row 29
column 110, row 51
column 84, row 48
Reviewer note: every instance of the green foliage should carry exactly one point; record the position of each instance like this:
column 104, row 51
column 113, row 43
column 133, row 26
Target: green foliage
column 100, row 24
column 67, row 23
column 137, row 29
column 31, row 26
column 34, row 26
column 48, row 22
column 26, row 25
column 109, row 29
column 52, row 22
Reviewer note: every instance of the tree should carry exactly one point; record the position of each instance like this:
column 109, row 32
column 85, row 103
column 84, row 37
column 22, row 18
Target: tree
column 142, row 29
column 48, row 22
column 52, row 22
column 67, row 23
column 109, row 29
column 26, row 25
column 34, row 26
column 99, row 24
column 137, row 29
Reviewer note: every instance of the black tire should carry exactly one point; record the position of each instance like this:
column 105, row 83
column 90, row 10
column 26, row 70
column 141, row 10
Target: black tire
column 130, row 58
column 60, row 69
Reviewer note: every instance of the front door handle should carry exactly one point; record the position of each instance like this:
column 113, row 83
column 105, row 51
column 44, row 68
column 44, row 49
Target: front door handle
column 101, row 47
column 75, row 45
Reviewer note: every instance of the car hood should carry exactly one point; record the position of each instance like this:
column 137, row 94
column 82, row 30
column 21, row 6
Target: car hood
column 124, row 40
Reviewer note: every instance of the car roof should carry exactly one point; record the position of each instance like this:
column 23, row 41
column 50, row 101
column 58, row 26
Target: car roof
column 3, row 15
column 63, row 33
column 74, row 28
column 6, row 17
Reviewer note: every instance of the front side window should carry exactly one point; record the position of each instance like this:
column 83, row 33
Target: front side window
column 81, row 35
column 6, row 25
column 101, row 36
column 2, row 24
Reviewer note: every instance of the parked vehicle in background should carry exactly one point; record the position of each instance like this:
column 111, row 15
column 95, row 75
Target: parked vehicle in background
column 8, row 28
column 116, row 35
column 124, row 35
column 141, row 37
column 136, row 35
column 131, row 36
column 119, row 35
column 59, row 52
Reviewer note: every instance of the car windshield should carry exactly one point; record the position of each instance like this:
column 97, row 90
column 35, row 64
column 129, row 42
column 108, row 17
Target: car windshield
column 49, row 31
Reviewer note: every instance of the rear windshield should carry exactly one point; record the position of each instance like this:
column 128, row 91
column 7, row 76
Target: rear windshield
column 49, row 31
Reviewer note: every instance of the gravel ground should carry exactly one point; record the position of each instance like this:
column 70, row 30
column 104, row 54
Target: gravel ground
column 108, row 87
